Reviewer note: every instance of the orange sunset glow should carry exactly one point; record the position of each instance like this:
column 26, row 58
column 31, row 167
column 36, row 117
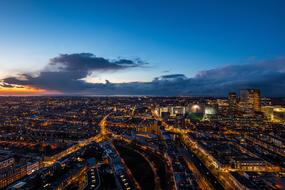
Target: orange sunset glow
column 22, row 91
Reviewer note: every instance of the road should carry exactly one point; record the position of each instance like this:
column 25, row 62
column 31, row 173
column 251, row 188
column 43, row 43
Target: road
column 169, row 127
column 97, row 138
column 224, row 177
column 207, row 179
column 201, row 180
column 211, row 181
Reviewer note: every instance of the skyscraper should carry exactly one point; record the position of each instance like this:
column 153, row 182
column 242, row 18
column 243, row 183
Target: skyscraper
column 232, row 98
column 250, row 100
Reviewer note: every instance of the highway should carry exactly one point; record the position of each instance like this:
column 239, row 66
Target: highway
column 213, row 183
column 201, row 179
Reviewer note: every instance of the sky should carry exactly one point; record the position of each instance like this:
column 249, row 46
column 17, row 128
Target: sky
column 142, row 47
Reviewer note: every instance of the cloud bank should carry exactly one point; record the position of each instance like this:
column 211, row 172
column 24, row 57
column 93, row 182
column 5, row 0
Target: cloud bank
column 65, row 73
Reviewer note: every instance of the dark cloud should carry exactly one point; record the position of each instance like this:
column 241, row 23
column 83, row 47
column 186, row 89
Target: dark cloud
column 173, row 76
column 64, row 74
column 84, row 62
column 6, row 85
column 267, row 75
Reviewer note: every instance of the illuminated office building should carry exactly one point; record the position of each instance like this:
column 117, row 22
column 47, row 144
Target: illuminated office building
column 250, row 100
column 274, row 114
column 177, row 110
column 232, row 99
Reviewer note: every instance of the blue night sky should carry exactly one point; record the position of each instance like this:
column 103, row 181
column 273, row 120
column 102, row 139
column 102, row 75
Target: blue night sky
column 142, row 47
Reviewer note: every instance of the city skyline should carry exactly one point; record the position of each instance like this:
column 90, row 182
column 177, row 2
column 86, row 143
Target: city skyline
column 151, row 143
column 161, row 48
column 142, row 94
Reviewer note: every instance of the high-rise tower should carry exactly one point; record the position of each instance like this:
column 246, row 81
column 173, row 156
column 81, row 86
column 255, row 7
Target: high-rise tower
column 232, row 99
column 250, row 100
